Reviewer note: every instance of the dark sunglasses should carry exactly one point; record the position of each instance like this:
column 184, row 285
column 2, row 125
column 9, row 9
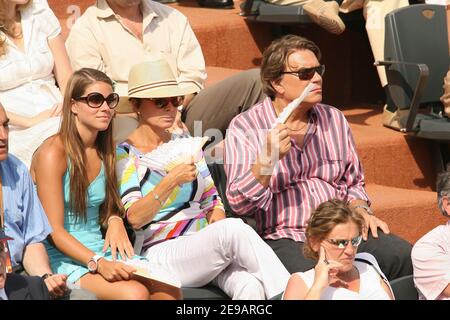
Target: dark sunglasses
column 342, row 243
column 96, row 100
column 307, row 73
column 164, row 102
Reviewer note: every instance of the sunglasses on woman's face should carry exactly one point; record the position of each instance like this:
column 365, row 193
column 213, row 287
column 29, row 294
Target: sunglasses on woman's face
column 96, row 100
column 164, row 102
column 343, row 243
column 307, row 73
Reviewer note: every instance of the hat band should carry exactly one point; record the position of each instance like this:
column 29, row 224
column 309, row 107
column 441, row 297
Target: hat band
column 154, row 85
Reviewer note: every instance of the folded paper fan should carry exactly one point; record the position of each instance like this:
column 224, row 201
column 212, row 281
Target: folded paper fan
column 175, row 152
column 287, row 111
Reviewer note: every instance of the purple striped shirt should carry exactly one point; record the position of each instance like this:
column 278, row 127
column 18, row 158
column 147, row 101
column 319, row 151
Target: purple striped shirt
column 326, row 167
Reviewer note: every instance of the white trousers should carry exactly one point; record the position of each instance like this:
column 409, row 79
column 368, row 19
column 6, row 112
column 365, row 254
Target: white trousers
column 229, row 253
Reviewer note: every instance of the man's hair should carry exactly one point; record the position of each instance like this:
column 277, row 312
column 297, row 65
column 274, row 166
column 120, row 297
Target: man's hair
column 443, row 189
column 328, row 215
column 275, row 58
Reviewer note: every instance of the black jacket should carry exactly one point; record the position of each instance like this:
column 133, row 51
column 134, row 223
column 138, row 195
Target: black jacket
column 18, row 287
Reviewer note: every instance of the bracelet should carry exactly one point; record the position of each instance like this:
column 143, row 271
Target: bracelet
column 156, row 197
column 114, row 217
column 365, row 207
column 45, row 276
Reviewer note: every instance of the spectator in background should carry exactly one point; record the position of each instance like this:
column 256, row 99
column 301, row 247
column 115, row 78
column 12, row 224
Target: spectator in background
column 333, row 235
column 113, row 35
column 281, row 172
column 32, row 59
column 17, row 287
column 431, row 253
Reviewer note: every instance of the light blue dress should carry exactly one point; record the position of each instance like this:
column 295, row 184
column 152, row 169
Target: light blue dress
column 88, row 233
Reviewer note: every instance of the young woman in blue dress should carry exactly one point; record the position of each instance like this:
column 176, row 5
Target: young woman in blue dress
column 74, row 172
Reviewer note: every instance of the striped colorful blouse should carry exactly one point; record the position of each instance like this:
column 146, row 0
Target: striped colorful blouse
column 326, row 167
column 185, row 210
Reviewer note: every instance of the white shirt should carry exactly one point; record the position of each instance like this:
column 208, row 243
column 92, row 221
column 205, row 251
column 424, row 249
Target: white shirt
column 370, row 287
column 3, row 294
column 431, row 261
column 27, row 83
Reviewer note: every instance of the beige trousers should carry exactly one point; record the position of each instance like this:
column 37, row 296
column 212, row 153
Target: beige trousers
column 374, row 12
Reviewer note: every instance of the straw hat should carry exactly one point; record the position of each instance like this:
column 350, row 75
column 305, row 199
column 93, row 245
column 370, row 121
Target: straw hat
column 150, row 79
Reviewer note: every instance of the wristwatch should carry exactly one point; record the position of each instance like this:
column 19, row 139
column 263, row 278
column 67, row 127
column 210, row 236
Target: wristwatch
column 365, row 207
column 93, row 263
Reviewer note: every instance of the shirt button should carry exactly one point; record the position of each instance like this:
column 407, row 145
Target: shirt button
column 312, row 190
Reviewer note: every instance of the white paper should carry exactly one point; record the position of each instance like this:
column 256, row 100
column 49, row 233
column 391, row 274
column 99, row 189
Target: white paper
column 287, row 111
column 146, row 269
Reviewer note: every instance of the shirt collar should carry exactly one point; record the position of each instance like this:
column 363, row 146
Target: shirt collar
column 104, row 11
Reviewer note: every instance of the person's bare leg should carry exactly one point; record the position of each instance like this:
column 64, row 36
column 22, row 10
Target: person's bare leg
column 127, row 290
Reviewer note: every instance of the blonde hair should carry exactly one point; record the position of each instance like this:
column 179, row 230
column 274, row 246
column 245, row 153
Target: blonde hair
column 74, row 148
column 327, row 216
column 7, row 25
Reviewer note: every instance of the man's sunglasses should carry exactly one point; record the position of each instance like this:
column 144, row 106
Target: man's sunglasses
column 164, row 102
column 342, row 243
column 307, row 73
column 96, row 100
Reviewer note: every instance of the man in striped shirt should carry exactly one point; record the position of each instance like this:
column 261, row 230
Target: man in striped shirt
column 281, row 172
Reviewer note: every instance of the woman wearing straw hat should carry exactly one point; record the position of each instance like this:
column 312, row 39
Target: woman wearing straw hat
column 177, row 212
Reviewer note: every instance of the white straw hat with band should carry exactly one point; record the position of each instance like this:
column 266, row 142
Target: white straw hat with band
column 150, row 79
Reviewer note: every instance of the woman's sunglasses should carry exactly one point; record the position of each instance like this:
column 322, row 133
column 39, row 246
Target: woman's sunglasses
column 307, row 73
column 343, row 243
column 164, row 102
column 96, row 100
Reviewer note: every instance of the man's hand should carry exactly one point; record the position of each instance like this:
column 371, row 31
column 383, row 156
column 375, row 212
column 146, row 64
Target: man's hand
column 372, row 223
column 56, row 285
column 278, row 142
column 117, row 238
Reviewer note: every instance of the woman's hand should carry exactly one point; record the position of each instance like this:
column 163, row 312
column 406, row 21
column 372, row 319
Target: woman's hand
column 325, row 271
column 114, row 271
column 54, row 111
column 183, row 173
column 117, row 238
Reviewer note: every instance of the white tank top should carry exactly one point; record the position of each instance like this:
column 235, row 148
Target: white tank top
column 370, row 282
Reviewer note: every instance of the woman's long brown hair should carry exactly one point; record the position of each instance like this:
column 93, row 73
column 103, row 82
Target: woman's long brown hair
column 74, row 148
column 7, row 25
